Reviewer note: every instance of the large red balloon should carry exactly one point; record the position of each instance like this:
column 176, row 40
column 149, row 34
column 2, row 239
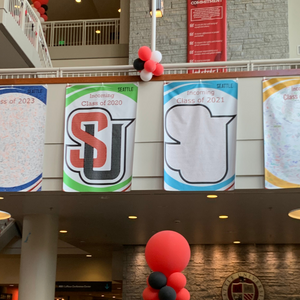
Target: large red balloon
column 177, row 281
column 144, row 53
column 44, row 1
column 167, row 252
column 183, row 294
column 159, row 70
column 150, row 294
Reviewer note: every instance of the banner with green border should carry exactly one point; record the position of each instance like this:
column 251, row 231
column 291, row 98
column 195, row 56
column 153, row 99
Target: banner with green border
column 99, row 137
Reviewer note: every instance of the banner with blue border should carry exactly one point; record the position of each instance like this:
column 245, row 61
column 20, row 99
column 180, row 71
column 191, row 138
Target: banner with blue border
column 22, row 122
column 200, row 135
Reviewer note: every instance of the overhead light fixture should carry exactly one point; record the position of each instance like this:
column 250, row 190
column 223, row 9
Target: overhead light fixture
column 4, row 215
column 78, row 1
column 212, row 196
column 89, row 255
column 132, row 217
column 236, row 242
column 63, row 231
column 295, row 214
column 98, row 31
column 223, row 217
column 17, row 6
column 119, row 10
column 1, row 198
column 159, row 8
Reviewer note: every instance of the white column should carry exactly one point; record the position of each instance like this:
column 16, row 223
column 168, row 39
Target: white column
column 124, row 21
column 38, row 257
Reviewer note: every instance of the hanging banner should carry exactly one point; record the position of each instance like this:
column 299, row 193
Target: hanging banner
column 206, row 30
column 281, row 108
column 22, row 135
column 200, row 135
column 99, row 137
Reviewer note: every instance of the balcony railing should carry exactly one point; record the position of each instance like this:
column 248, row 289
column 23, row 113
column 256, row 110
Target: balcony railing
column 180, row 68
column 83, row 32
column 30, row 24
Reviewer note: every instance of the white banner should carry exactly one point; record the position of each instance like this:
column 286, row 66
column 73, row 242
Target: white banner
column 200, row 135
column 22, row 134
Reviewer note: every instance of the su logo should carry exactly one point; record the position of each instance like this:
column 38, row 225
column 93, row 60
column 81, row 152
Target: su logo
column 98, row 151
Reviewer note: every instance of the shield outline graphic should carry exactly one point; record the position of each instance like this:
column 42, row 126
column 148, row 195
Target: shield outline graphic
column 250, row 296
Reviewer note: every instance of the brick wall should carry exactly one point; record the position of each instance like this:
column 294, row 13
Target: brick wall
column 256, row 29
column 277, row 267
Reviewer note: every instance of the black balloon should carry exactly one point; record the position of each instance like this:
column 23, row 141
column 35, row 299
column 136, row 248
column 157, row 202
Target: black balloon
column 138, row 64
column 45, row 7
column 157, row 280
column 167, row 293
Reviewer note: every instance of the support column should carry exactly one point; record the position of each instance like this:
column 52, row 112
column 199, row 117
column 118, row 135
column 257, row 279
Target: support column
column 38, row 257
column 124, row 21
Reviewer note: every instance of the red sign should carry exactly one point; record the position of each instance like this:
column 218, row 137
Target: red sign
column 206, row 30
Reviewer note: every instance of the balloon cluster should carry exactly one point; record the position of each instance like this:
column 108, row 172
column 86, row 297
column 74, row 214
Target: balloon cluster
column 40, row 7
column 167, row 254
column 148, row 63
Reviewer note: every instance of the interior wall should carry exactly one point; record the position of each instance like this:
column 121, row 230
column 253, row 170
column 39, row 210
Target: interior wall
column 148, row 173
column 256, row 29
column 68, row 268
column 276, row 266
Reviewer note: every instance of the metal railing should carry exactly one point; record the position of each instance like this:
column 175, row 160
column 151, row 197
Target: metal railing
column 180, row 68
column 83, row 32
column 30, row 24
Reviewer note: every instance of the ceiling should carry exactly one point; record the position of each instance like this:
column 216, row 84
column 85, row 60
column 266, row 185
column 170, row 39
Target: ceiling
column 86, row 9
column 98, row 222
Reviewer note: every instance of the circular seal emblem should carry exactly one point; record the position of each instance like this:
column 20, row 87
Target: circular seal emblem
column 242, row 286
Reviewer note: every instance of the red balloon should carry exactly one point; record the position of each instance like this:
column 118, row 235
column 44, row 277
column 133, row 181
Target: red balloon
column 150, row 65
column 177, row 281
column 144, row 53
column 148, row 281
column 41, row 10
column 37, row 4
column 45, row 17
column 44, row 1
column 183, row 294
column 159, row 70
column 150, row 294
column 167, row 252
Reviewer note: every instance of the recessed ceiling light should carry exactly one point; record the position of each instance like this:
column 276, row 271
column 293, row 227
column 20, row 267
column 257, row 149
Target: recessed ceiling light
column 236, row 242
column 11, row 285
column 132, row 217
column 119, row 10
column 4, row 215
column 63, row 231
column 295, row 213
column 89, row 255
column 102, row 295
column 212, row 196
column 114, row 296
column 1, row 198
column 223, row 217
column 98, row 31
column 78, row 1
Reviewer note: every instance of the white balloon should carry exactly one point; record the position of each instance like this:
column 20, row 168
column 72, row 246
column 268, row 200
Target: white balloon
column 156, row 56
column 146, row 76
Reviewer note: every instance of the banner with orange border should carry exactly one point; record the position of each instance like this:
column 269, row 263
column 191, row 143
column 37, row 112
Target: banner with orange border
column 281, row 110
